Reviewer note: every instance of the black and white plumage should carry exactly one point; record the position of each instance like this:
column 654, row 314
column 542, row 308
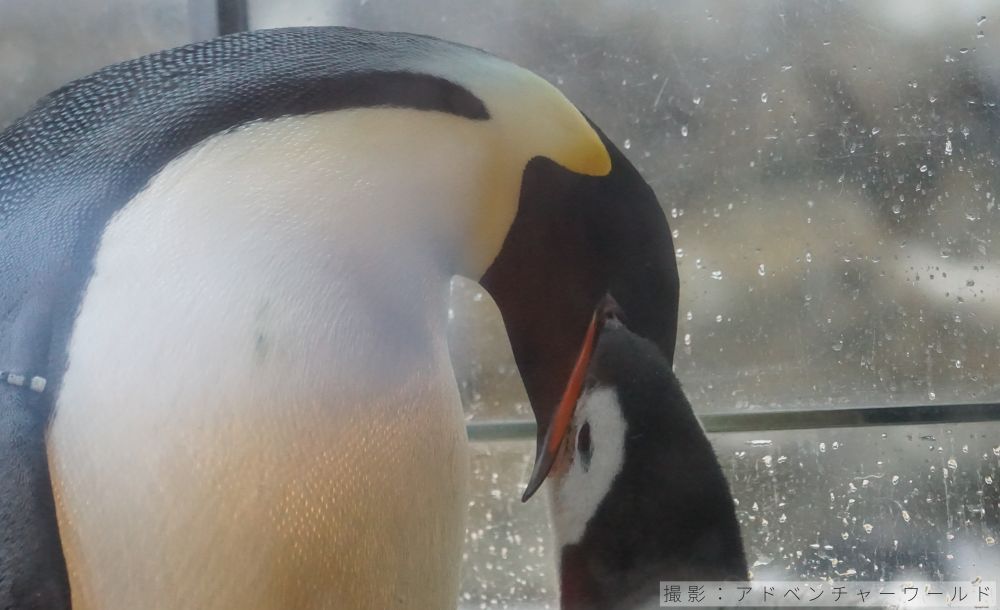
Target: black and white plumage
column 229, row 263
column 637, row 493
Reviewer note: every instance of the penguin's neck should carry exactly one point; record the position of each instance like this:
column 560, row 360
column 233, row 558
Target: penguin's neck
column 358, row 252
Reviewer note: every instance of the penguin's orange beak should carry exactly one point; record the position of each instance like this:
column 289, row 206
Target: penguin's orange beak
column 560, row 423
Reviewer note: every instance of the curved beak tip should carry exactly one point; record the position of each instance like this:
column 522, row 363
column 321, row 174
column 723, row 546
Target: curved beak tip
column 543, row 463
column 530, row 491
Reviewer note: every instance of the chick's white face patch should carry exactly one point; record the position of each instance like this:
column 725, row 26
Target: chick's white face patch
column 577, row 488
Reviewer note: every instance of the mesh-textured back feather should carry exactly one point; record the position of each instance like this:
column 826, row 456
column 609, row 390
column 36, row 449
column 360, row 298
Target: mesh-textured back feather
column 88, row 148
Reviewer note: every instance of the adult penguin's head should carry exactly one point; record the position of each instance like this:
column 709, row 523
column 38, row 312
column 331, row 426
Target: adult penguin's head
column 575, row 238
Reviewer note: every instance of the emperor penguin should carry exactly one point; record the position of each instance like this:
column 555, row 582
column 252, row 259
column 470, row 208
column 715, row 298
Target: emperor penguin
column 224, row 271
column 636, row 491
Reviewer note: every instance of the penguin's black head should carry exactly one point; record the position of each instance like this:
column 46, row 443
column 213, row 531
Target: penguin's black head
column 638, row 495
column 576, row 238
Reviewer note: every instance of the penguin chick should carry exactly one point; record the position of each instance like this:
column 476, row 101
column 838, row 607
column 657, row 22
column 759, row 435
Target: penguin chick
column 637, row 494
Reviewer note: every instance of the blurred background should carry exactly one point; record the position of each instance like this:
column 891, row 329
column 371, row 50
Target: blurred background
column 829, row 170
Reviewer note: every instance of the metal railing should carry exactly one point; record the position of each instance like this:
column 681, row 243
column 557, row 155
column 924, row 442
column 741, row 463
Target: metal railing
column 233, row 16
column 751, row 421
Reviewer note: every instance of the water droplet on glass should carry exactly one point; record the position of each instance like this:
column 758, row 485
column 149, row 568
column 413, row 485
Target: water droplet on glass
column 952, row 463
column 477, row 297
column 895, row 479
column 716, row 275
column 689, row 316
column 826, row 43
column 868, row 528
column 839, row 345
column 931, row 396
column 923, row 169
column 782, row 518
column 687, row 339
column 786, row 67
column 947, row 147
column 896, row 208
column 822, row 447
column 844, row 536
column 809, row 257
column 965, row 131
column 763, row 97
column 697, row 100
column 981, row 20
column 963, row 50
column 875, row 130
column 981, row 34
column 906, row 516
column 680, row 253
column 627, row 144
column 958, row 364
column 763, row 560
column 684, row 131
column 760, row 270
column 718, row 318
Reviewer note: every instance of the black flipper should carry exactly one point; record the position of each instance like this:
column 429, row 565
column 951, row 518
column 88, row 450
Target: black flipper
column 32, row 568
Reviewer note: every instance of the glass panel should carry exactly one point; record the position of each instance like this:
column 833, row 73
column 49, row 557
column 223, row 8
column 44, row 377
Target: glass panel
column 487, row 377
column 44, row 44
column 508, row 559
column 919, row 502
column 913, row 502
column 826, row 167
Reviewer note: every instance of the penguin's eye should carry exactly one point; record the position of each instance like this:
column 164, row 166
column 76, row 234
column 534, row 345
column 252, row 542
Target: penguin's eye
column 584, row 447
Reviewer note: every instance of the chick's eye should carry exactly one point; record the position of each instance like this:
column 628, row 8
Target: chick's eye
column 584, row 447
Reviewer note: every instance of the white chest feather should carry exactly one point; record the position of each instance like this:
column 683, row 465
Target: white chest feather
column 259, row 411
